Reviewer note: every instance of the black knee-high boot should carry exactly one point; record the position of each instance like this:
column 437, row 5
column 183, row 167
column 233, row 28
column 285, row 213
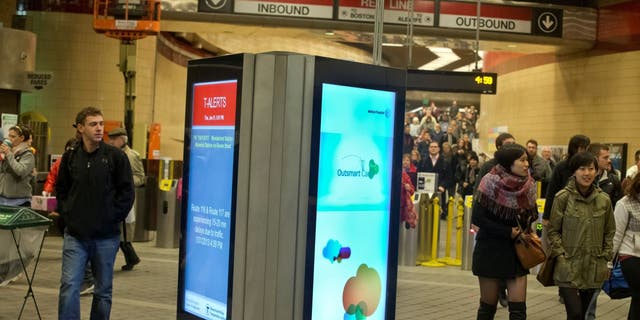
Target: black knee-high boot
column 517, row 310
column 486, row 311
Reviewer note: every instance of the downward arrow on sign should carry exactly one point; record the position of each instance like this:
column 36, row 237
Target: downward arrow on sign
column 548, row 23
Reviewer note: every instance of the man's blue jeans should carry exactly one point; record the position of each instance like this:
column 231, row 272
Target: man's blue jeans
column 75, row 254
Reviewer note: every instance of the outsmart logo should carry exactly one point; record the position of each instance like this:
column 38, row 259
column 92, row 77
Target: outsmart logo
column 365, row 170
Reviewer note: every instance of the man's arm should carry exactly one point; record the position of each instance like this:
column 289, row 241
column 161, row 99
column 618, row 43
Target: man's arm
column 63, row 182
column 123, row 183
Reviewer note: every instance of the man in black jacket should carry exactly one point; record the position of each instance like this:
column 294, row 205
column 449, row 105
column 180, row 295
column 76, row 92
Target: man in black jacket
column 435, row 163
column 95, row 192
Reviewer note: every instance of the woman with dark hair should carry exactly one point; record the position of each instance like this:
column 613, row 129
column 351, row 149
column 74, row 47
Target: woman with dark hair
column 504, row 201
column 561, row 173
column 626, row 242
column 16, row 166
column 581, row 231
column 469, row 176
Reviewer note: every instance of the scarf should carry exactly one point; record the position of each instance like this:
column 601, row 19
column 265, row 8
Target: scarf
column 508, row 196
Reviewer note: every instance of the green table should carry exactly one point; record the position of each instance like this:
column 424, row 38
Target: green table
column 12, row 218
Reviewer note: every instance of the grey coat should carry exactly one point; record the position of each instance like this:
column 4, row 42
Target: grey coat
column 16, row 172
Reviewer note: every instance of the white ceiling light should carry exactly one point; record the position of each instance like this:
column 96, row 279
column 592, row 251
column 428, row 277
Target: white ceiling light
column 389, row 44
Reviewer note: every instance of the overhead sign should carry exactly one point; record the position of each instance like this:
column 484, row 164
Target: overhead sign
column 452, row 81
column 547, row 22
column 289, row 8
column 395, row 11
column 214, row 6
column 463, row 15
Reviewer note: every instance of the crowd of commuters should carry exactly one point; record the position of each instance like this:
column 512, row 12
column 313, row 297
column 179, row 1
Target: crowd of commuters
column 582, row 232
column 438, row 140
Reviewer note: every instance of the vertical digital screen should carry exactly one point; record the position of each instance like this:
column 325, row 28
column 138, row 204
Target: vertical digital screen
column 210, row 199
column 353, row 203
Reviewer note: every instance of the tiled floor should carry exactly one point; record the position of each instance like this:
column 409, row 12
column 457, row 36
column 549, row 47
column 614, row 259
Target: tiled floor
column 149, row 292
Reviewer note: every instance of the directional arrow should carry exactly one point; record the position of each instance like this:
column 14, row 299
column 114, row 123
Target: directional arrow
column 547, row 22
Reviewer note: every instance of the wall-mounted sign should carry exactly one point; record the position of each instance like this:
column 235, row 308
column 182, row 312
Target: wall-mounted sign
column 8, row 120
column 39, row 80
column 463, row 15
column 290, row 8
column 395, row 11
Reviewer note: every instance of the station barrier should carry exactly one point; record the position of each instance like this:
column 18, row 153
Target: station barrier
column 424, row 241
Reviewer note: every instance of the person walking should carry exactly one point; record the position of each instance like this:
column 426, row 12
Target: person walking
column 626, row 241
column 581, row 231
column 118, row 138
column 94, row 190
column 505, row 200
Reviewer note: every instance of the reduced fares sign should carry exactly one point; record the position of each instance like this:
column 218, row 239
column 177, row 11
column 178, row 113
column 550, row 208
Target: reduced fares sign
column 210, row 199
column 395, row 11
column 463, row 15
column 289, row 8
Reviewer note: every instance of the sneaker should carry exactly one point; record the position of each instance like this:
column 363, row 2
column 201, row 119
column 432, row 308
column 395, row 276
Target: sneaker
column 502, row 299
column 86, row 288
column 8, row 281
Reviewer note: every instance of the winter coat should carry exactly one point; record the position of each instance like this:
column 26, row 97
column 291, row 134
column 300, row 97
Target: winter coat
column 627, row 238
column 16, row 172
column 94, row 191
column 50, row 183
column 581, row 231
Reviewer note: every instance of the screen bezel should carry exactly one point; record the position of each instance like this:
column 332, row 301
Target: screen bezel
column 337, row 72
column 201, row 71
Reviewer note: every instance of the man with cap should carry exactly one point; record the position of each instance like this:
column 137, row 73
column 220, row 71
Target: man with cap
column 119, row 139
column 94, row 190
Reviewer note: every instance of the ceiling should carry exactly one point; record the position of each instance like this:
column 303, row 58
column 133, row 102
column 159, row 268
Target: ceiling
column 233, row 33
column 221, row 34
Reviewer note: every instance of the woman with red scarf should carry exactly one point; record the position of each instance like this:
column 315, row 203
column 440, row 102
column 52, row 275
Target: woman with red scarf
column 505, row 200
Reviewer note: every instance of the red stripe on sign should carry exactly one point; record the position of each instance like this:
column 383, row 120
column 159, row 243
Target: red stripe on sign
column 299, row 2
column 214, row 104
column 423, row 6
column 418, row 6
column 486, row 10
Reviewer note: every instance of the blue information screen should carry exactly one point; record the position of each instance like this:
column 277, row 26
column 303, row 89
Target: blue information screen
column 210, row 198
column 353, row 203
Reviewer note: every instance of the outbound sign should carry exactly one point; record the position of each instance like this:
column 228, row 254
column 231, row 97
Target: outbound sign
column 289, row 8
column 395, row 11
column 463, row 15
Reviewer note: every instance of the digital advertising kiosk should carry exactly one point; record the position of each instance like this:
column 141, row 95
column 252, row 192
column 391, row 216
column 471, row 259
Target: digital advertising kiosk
column 292, row 168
